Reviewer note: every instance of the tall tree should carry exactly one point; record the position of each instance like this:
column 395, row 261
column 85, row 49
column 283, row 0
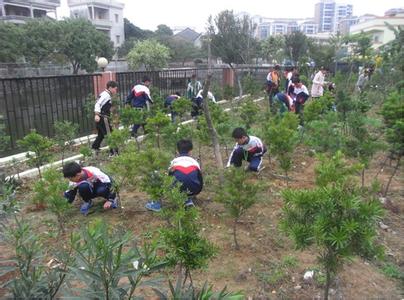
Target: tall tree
column 272, row 48
column 182, row 50
column 82, row 43
column 361, row 44
column 296, row 45
column 132, row 31
column 230, row 40
column 162, row 30
column 12, row 45
column 41, row 38
column 149, row 53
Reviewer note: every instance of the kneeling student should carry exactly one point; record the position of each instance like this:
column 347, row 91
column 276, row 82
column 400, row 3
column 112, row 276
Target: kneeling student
column 89, row 182
column 187, row 173
column 249, row 148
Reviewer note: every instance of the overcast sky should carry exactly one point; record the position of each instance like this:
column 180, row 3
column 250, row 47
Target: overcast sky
column 194, row 14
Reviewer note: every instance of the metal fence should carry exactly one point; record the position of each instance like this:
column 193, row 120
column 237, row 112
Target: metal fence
column 38, row 102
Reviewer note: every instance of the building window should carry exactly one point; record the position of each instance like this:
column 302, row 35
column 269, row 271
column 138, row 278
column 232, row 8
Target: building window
column 118, row 39
column 116, row 18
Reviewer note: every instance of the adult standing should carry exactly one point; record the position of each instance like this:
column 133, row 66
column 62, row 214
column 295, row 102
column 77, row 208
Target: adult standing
column 194, row 86
column 317, row 89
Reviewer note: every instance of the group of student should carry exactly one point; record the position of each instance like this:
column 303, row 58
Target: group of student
column 90, row 182
column 295, row 93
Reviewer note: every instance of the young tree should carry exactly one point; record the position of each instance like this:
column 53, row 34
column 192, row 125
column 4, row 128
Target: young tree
column 296, row 45
column 333, row 217
column 150, row 54
column 182, row 240
column 282, row 137
column 65, row 132
column 40, row 146
column 272, row 48
column 82, row 43
column 248, row 113
column 156, row 124
column 49, row 191
column 237, row 194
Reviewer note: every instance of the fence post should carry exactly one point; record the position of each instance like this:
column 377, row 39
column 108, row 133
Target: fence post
column 100, row 82
column 228, row 77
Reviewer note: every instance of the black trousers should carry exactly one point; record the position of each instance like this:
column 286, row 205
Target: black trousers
column 103, row 128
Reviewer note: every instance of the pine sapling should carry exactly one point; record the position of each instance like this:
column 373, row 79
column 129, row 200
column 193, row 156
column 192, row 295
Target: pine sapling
column 40, row 146
column 238, row 194
column 155, row 126
column 248, row 113
column 65, row 132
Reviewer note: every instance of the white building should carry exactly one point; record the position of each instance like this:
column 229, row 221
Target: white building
column 19, row 11
column 328, row 14
column 105, row 15
column 284, row 26
column 377, row 29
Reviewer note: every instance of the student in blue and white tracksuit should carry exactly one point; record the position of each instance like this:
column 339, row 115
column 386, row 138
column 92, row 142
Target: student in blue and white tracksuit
column 300, row 95
column 197, row 103
column 186, row 171
column 140, row 98
column 249, row 148
column 169, row 102
column 89, row 182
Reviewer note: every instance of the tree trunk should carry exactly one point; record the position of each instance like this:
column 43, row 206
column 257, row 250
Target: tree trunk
column 240, row 87
column 235, row 235
column 327, row 283
column 391, row 177
column 209, row 122
column 363, row 177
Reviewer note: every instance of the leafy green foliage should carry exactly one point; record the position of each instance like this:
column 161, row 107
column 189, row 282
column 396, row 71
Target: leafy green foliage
column 12, row 46
column 296, row 45
column 314, row 110
column 65, row 132
column 250, row 85
column 156, row 124
column 181, row 106
column 40, row 146
column 31, row 279
column 182, row 240
column 282, row 137
column 149, row 53
column 49, row 191
column 81, row 43
column 105, row 256
column 248, row 113
column 272, row 48
column 117, row 139
column 238, row 194
column 4, row 138
column 334, row 218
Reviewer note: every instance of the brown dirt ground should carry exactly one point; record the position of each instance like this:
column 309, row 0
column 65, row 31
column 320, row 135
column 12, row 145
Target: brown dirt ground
column 262, row 244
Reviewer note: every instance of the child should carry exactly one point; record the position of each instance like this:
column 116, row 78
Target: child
column 285, row 102
column 197, row 103
column 249, row 148
column 169, row 102
column 300, row 95
column 90, row 182
column 187, row 171
column 102, row 115
column 273, row 81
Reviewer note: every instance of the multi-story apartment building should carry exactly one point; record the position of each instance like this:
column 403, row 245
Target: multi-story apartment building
column 284, row 26
column 19, row 11
column 328, row 14
column 105, row 15
column 376, row 27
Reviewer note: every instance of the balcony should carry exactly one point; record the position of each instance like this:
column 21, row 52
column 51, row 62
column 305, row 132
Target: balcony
column 105, row 3
column 102, row 23
column 43, row 3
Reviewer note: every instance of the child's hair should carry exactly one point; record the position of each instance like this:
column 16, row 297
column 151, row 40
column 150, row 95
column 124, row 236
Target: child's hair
column 239, row 132
column 71, row 169
column 296, row 79
column 146, row 78
column 178, row 94
column 184, row 146
column 112, row 84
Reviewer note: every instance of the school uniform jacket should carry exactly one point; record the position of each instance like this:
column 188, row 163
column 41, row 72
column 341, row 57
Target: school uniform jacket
column 93, row 175
column 187, row 171
column 141, row 95
column 253, row 147
column 103, row 104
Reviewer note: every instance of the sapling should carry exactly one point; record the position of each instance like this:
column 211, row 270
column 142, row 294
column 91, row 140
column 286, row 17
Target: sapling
column 65, row 132
column 49, row 191
column 392, row 112
column 129, row 116
column 86, row 152
column 237, row 194
column 333, row 217
column 40, row 146
column 117, row 139
column 180, row 107
column 248, row 113
column 155, row 126
column 4, row 138
column 105, row 257
column 182, row 240
column 282, row 137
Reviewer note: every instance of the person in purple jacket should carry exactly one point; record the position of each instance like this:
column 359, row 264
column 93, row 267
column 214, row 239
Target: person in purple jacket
column 187, row 173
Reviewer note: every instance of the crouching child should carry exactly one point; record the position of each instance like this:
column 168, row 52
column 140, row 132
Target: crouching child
column 187, row 173
column 89, row 182
column 249, row 148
